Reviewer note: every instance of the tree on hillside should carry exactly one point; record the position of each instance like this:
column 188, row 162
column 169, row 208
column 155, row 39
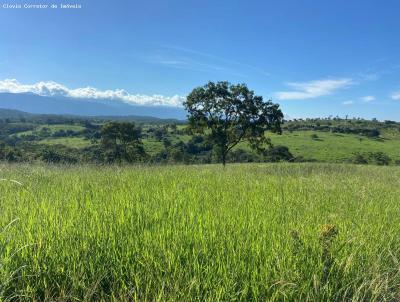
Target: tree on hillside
column 121, row 142
column 229, row 114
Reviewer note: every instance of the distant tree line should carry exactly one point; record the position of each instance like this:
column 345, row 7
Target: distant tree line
column 357, row 126
column 374, row 132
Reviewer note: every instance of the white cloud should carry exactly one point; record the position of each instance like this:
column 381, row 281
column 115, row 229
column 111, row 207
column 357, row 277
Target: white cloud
column 396, row 96
column 368, row 98
column 347, row 103
column 313, row 89
column 56, row 89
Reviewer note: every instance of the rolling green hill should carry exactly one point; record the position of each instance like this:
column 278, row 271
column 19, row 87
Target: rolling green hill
column 323, row 140
column 335, row 147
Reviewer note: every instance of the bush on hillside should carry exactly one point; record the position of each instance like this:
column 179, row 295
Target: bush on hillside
column 55, row 157
column 379, row 158
column 278, row 153
column 359, row 159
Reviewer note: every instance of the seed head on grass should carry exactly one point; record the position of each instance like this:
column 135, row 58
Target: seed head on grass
column 328, row 233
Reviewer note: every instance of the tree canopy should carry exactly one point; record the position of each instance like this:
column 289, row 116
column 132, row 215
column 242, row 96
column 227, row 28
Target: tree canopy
column 228, row 114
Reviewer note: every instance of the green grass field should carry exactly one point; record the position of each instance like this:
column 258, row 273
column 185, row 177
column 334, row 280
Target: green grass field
column 73, row 142
column 335, row 147
column 260, row 232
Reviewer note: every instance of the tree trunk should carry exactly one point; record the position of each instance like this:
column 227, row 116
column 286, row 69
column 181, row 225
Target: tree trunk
column 223, row 159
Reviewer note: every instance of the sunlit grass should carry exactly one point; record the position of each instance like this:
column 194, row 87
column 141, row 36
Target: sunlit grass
column 300, row 232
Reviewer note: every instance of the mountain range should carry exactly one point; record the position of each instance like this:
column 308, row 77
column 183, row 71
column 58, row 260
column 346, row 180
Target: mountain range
column 33, row 103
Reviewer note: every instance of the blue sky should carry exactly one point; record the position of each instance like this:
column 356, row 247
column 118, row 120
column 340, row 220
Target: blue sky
column 315, row 58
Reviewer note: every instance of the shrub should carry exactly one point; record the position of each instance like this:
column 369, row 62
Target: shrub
column 359, row 159
column 51, row 156
column 380, row 158
column 278, row 153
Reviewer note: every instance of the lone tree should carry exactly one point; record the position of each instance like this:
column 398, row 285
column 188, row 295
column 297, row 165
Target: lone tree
column 228, row 114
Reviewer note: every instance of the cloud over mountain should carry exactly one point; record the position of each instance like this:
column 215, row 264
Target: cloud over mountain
column 55, row 89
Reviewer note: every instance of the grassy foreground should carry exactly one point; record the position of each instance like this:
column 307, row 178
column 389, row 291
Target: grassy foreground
column 263, row 232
